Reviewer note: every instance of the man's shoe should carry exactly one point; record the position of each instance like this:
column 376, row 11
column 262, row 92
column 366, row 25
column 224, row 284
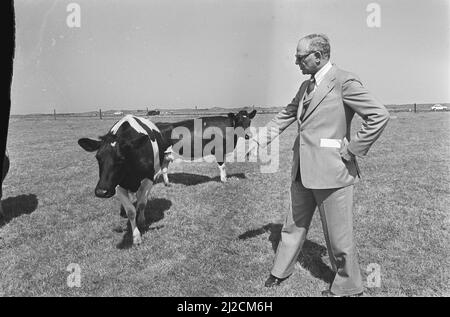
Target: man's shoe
column 273, row 281
column 329, row 293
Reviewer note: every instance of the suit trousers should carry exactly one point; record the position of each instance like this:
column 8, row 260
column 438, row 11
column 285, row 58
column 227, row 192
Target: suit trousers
column 335, row 208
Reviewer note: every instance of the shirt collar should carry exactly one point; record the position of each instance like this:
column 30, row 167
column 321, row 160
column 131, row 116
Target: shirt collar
column 322, row 72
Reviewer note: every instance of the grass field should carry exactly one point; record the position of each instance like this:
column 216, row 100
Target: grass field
column 206, row 238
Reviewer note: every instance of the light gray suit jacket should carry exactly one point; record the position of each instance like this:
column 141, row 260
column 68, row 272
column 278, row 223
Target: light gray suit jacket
column 324, row 132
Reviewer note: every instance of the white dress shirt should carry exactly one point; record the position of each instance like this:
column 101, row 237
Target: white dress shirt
column 321, row 73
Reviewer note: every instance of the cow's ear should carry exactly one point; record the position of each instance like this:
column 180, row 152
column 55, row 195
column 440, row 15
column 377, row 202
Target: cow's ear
column 252, row 114
column 89, row 144
column 231, row 115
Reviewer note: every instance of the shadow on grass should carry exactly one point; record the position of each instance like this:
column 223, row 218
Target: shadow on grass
column 310, row 258
column 154, row 212
column 16, row 206
column 195, row 179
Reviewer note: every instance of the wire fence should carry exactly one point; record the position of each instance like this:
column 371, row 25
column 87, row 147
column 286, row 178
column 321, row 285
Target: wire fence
column 101, row 115
column 415, row 107
column 109, row 114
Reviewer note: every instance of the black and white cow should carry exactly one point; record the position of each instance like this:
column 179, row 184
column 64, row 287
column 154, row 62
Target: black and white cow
column 5, row 169
column 242, row 120
column 129, row 157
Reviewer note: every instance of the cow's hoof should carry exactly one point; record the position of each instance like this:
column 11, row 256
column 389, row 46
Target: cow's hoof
column 137, row 237
column 223, row 180
column 168, row 184
column 137, row 240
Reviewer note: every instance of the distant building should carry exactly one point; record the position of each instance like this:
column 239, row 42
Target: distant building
column 118, row 113
column 153, row 113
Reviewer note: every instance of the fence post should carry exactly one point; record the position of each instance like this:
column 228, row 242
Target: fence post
column 415, row 108
column 54, row 113
column 100, row 114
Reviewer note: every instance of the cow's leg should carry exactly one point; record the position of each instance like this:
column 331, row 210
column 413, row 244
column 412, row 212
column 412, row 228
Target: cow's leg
column 142, row 197
column 164, row 168
column 132, row 197
column 223, row 172
column 131, row 213
column 168, row 157
column 163, row 171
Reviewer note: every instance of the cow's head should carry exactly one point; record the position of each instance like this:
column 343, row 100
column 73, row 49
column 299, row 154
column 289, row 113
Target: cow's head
column 111, row 155
column 242, row 119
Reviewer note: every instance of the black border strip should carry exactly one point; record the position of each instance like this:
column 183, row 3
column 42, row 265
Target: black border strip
column 9, row 28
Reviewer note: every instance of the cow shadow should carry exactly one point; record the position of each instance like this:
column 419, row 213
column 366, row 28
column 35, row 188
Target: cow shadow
column 154, row 212
column 310, row 257
column 14, row 207
column 189, row 179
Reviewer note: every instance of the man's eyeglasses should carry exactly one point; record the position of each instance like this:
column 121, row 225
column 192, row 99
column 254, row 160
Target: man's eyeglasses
column 301, row 58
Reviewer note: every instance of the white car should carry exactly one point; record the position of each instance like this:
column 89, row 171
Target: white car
column 438, row 107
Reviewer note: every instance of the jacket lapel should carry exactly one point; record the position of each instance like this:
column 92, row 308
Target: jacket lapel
column 324, row 88
column 302, row 95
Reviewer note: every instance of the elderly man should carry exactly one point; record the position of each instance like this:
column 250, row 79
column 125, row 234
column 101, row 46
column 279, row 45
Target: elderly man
column 324, row 167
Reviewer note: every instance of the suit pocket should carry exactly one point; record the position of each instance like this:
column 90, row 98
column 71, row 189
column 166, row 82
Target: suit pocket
column 331, row 143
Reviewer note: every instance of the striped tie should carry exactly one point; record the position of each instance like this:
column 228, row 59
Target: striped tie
column 311, row 85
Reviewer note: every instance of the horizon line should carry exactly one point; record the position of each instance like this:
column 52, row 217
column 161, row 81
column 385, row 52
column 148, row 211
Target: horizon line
column 199, row 109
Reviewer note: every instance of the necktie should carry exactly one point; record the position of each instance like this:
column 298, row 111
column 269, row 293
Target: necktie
column 311, row 85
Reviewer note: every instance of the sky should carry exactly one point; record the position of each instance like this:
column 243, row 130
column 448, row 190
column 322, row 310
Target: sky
column 171, row 54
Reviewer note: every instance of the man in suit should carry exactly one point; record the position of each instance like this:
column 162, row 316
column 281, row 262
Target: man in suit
column 324, row 167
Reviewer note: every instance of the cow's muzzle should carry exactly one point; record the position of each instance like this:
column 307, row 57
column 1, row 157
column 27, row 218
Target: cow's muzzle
column 104, row 193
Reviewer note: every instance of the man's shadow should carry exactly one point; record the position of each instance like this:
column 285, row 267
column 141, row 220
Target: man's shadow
column 310, row 257
column 154, row 212
column 189, row 179
column 14, row 207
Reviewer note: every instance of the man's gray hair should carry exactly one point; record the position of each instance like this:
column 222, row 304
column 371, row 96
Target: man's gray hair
column 319, row 42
